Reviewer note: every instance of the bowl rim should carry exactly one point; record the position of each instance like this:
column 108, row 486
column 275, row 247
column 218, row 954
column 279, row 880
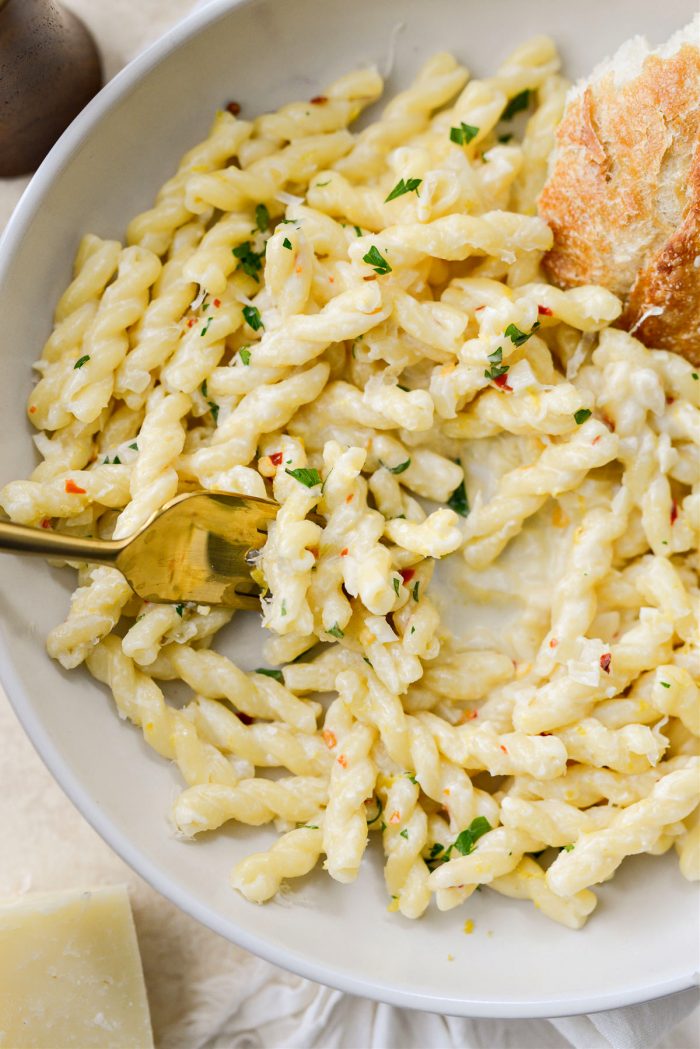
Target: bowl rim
column 539, row 1008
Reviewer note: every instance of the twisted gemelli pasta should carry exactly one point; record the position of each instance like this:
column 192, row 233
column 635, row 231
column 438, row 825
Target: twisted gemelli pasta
column 481, row 583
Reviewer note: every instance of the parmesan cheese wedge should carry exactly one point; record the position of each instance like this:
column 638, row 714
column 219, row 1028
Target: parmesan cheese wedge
column 70, row 972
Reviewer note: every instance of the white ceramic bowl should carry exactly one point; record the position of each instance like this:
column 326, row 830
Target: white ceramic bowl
column 641, row 943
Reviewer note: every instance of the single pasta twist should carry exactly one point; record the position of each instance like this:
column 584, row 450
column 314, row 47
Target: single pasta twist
column 259, row 876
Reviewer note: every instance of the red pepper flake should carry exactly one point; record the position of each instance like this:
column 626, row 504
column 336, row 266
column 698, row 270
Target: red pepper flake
column 342, row 760
column 349, row 498
column 407, row 574
column 32, row 409
column 217, row 303
column 191, row 322
column 605, row 661
column 544, row 311
column 369, row 278
column 670, row 400
column 553, row 642
column 477, row 308
column 46, row 522
column 595, row 439
column 395, row 817
column 469, row 715
column 329, row 738
column 608, row 422
column 674, row 511
column 344, row 552
column 233, row 108
column 276, row 458
column 331, row 280
column 318, row 100
column 73, row 489
column 502, row 382
column 504, row 749
column 545, row 733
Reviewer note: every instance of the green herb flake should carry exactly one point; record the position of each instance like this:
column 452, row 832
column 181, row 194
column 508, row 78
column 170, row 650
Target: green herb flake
column 310, row 826
column 335, row 631
column 416, row 588
column 695, row 376
column 320, row 185
column 244, row 354
column 464, row 843
column 463, row 134
column 519, row 337
column 404, row 834
column 412, row 630
column 283, row 609
column 411, row 776
column 409, row 186
column 397, row 583
column 305, row 475
column 203, row 388
column 81, row 361
column 249, row 261
column 496, row 370
column 377, row 261
column 568, row 848
column 358, row 231
column 286, row 243
column 517, row 104
column 180, row 609
column 665, row 684
column 251, row 315
column 205, row 329
column 116, row 461
column 135, row 446
column 504, row 138
column 458, row 501
column 380, row 810
column 262, row 217
column 581, row 415
column 214, row 409
column 276, row 674
column 396, row 469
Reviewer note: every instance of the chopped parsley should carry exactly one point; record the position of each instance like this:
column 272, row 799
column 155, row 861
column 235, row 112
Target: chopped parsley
column 358, row 231
column 205, row 329
column 581, row 415
column 568, row 848
column 134, row 446
column 249, row 261
column 458, row 501
column 305, row 475
column 203, row 388
column 464, row 843
column 397, row 583
column 377, row 261
column 262, row 217
column 463, row 134
column 335, row 631
column 409, row 186
column 519, row 337
column 320, row 185
column 516, row 104
column 214, row 409
column 695, row 376
column 416, row 588
column 276, row 674
column 180, row 609
column 404, row 833
column 81, row 361
column 497, row 368
column 286, row 243
column 380, row 809
column 396, row 469
column 244, row 354
column 251, row 315
column 411, row 776
column 665, row 684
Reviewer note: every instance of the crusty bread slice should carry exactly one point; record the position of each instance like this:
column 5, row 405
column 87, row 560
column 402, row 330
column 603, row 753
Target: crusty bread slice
column 623, row 192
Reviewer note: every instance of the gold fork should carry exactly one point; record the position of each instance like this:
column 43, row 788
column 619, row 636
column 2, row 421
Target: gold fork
column 201, row 546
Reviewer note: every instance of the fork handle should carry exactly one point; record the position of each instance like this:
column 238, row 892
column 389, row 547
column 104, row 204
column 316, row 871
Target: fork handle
column 20, row 539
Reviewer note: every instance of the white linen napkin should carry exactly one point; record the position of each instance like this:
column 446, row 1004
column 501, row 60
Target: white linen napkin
column 250, row 1004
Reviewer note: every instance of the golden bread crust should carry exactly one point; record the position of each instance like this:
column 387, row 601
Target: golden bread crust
column 623, row 197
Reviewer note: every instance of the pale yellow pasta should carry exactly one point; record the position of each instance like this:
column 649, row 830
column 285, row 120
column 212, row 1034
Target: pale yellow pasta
column 480, row 587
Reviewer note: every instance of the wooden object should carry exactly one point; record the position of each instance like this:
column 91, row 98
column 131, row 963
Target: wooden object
column 49, row 70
